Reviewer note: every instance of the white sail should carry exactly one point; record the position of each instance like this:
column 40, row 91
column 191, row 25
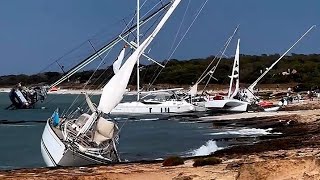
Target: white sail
column 235, row 73
column 117, row 63
column 113, row 91
column 193, row 90
column 237, row 70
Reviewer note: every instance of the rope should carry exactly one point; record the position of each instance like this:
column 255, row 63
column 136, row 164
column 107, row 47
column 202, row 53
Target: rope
column 88, row 81
column 174, row 41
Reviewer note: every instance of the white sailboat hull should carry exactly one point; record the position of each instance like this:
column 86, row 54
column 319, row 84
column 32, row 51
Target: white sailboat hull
column 52, row 149
column 55, row 153
column 200, row 106
column 232, row 105
column 156, row 108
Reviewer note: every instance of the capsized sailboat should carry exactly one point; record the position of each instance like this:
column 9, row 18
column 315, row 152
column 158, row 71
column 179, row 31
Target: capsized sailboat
column 22, row 97
column 93, row 139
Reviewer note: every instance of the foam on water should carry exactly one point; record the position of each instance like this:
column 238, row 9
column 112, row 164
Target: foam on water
column 17, row 125
column 208, row 148
column 147, row 119
column 246, row 132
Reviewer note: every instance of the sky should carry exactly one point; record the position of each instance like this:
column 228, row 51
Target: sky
column 34, row 33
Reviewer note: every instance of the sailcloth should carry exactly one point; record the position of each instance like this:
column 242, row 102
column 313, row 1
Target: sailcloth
column 117, row 63
column 235, row 73
column 193, row 90
column 113, row 91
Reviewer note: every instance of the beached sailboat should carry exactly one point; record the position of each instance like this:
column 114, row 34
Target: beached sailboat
column 163, row 105
column 199, row 100
column 248, row 94
column 231, row 102
column 155, row 102
column 92, row 139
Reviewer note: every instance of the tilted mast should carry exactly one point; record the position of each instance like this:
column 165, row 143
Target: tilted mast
column 108, row 46
column 138, row 44
column 251, row 87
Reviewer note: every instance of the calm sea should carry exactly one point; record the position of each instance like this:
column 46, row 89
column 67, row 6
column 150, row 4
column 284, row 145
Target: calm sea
column 141, row 137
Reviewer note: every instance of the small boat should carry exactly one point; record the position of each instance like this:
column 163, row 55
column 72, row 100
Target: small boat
column 81, row 139
column 268, row 106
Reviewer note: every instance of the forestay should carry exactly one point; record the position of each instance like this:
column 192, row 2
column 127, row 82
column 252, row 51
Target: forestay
column 113, row 91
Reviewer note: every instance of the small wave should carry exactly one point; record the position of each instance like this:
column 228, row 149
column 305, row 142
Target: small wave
column 17, row 125
column 159, row 159
column 246, row 132
column 208, row 148
column 147, row 119
column 188, row 122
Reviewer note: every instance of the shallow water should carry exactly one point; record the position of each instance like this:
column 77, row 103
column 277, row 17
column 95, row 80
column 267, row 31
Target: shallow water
column 141, row 137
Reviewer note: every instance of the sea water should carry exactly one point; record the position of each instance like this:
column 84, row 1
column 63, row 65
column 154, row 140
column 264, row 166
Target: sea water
column 141, row 137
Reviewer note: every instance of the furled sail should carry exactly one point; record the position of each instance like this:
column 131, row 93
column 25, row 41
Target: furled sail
column 117, row 63
column 113, row 91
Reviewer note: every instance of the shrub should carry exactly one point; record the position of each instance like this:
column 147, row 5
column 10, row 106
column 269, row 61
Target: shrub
column 206, row 161
column 173, row 161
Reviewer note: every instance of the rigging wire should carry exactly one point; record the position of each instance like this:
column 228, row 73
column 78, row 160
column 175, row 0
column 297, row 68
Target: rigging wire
column 102, row 60
column 174, row 41
column 197, row 15
column 222, row 52
column 75, row 100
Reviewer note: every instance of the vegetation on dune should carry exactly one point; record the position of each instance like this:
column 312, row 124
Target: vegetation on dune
column 296, row 68
column 173, row 161
column 206, row 161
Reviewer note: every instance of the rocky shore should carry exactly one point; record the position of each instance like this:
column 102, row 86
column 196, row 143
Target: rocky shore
column 293, row 153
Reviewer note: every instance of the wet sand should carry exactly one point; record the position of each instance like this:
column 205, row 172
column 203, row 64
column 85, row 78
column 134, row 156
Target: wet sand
column 293, row 154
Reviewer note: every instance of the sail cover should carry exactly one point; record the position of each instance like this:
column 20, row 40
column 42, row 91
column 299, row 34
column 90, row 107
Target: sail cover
column 113, row 91
column 117, row 63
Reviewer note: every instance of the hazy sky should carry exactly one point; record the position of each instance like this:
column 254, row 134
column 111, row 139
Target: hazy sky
column 35, row 32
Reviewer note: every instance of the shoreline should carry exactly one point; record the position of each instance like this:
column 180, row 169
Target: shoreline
column 293, row 154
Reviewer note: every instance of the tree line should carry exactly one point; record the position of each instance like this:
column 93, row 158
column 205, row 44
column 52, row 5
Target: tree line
column 295, row 68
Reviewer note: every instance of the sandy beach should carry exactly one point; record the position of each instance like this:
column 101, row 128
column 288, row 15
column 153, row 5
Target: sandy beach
column 293, row 154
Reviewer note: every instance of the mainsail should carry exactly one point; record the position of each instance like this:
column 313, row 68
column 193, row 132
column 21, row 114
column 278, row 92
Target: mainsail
column 113, row 91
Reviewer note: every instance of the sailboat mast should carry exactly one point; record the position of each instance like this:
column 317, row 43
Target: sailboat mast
column 138, row 44
column 251, row 87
